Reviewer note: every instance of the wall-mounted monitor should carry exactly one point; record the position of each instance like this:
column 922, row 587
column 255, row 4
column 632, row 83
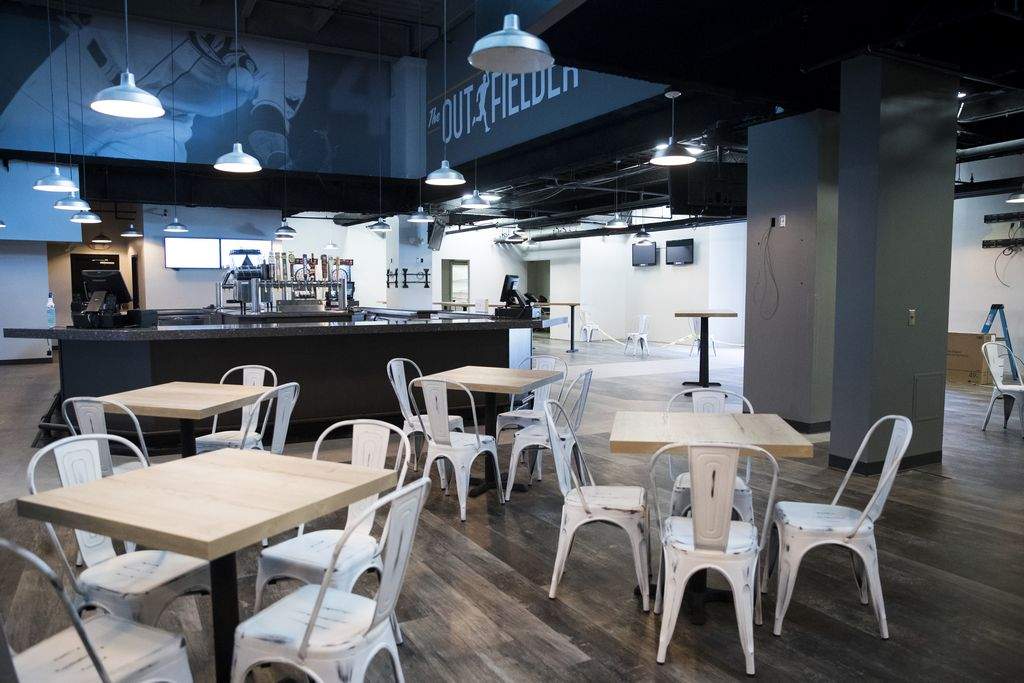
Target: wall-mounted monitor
column 191, row 252
column 645, row 255
column 679, row 252
column 226, row 247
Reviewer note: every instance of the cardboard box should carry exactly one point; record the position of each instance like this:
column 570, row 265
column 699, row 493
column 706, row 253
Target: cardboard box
column 963, row 351
column 968, row 377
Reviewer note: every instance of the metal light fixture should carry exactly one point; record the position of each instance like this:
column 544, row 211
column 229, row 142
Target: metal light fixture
column 237, row 161
column 55, row 182
column 131, row 231
column 86, row 217
column 517, row 236
column 380, row 226
column 100, row 238
column 642, row 237
column 511, row 50
column 175, row 225
column 421, row 216
column 672, row 154
column 126, row 100
column 445, row 174
column 331, row 246
column 475, row 201
column 617, row 222
column 490, row 197
column 285, row 232
column 1016, row 197
column 693, row 149
column 3, row 224
column 71, row 203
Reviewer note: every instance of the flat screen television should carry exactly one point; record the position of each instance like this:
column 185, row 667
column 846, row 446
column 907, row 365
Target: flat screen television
column 679, row 252
column 645, row 255
column 191, row 252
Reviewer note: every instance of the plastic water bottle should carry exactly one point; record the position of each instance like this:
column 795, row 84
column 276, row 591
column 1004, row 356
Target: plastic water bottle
column 51, row 312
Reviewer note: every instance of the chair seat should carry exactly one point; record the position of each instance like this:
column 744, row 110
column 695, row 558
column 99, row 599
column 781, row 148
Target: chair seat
column 683, row 482
column 455, row 422
column 523, row 414
column 127, row 649
column 343, row 618
column 140, row 572
column 468, row 440
column 314, row 549
column 826, row 520
column 679, row 535
column 228, row 438
column 621, row 498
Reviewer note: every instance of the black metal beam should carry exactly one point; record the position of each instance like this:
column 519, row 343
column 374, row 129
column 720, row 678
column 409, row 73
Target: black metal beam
column 649, row 227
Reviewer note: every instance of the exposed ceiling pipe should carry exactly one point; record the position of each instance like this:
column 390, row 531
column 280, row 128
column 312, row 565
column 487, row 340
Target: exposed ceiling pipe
column 997, row 149
column 649, row 227
column 559, row 218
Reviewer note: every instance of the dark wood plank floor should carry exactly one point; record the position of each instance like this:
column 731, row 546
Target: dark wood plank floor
column 475, row 601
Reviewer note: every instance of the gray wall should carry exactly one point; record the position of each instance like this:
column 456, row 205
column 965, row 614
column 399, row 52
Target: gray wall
column 23, row 289
column 792, row 170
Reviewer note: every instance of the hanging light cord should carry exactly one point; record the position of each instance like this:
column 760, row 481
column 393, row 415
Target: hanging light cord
column 419, row 54
column 380, row 129
column 284, row 108
column 81, row 107
column 127, row 66
column 53, row 107
column 444, row 71
column 237, row 47
column 67, row 77
column 174, row 136
column 672, row 130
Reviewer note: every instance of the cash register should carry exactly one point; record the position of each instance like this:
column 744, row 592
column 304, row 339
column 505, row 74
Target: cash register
column 106, row 292
column 515, row 305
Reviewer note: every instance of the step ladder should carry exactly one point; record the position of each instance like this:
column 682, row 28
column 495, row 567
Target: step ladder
column 998, row 310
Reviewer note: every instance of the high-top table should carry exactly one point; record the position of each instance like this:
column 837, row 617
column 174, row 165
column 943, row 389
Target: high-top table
column 186, row 402
column 210, row 506
column 704, row 314
column 644, row 432
column 490, row 382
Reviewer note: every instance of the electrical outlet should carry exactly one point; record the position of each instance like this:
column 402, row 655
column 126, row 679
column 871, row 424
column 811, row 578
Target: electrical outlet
column 782, row 220
column 911, row 317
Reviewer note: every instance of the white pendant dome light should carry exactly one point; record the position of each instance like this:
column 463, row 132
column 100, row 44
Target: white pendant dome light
column 71, row 203
column 175, row 226
column 126, row 100
column 672, row 154
column 642, row 237
column 86, row 217
column 445, row 175
column 1016, row 197
column 380, row 226
column 237, row 161
column 131, row 231
column 475, row 201
column 421, row 216
column 511, row 50
column 331, row 246
column 617, row 222
column 55, row 182
column 100, row 238
column 285, row 232
column 3, row 224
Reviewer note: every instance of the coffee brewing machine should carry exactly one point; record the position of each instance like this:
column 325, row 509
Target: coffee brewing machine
column 287, row 282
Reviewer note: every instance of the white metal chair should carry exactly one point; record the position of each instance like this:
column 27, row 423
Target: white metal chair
column 305, row 557
column 995, row 353
column 458, row 448
column 480, row 306
column 586, row 502
column 252, row 376
column 589, row 327
column 712, row 401
column 330, row 634
column 528, row 409
column 283, row 399
column 804, row 526
column 136, row 585
column 536, row 438
column 638, row 339
column 105, row 647
column 695, row 333
column 410, row 425
column 709, row 539
column 91, row 418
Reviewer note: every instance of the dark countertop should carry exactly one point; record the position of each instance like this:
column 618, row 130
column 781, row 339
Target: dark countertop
column 169, row 332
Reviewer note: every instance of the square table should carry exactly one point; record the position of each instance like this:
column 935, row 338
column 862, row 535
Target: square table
column 186, row 402
column 210, row 506
column 491, row 381
column 703, row 379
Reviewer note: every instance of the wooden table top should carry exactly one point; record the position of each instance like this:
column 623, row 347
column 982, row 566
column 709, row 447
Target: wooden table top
column 186, row 400
column 491, row 380
column 209, row 505
column 644, row 432
column 706, row 313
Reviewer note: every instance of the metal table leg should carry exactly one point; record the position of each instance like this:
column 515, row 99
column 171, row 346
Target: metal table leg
column 704, row 378
column 572, row 330
column 224, row 596
column 188, row 438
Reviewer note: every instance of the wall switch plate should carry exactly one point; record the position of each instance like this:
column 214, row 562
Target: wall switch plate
column 911, row 317
column 782, row 220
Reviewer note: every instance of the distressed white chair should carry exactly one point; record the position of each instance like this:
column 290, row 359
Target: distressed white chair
column 105, row 648
column 712, row 401
column 283, row 399
column 585, row 502
column 589, row 327
column 638, row 338
column 480, row 306
column 995, row 353
column 695, row 333
column 136, row 585
column 528, row 409
column 535, row 437
column 331, row 634
column 804, row 526
column 709, row 539
column 305, row 557
column 457, row 448
column 252, row 376
column 410, row 425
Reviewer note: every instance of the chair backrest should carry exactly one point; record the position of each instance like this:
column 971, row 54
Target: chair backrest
column 588, row 317
column 996, row 354
column 283, row 398
column 480, row 306
column 7, row 670
column 91, row 418
column 370, row 442
column 403, row 518
column 695, row 328
column 709, row 400
column 642, row 323
column 252, row 376
column 400, row 383
column 899, row 442
column 542, row 362
column 712, row 469
column 567, row 453
column 435, row 399
column 78, row 462
column 574, row 398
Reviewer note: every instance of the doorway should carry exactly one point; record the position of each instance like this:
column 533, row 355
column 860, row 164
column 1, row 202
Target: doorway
column 538, row 278
column 80, row 262
column 454, row 280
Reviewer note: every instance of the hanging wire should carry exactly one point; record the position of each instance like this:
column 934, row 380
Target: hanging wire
column 444, row 71
column 380, row 116
column 67, row 78
column 53, row 107
column 237, row 64
column 419, row 54
column 81, row 107
column 174, row 136
column 284, row 110
column 127, row 66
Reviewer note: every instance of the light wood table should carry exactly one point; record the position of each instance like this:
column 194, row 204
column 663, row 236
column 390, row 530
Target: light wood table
column 491, row 381
column 210, row 506
column 186, row 402
column 705, row 335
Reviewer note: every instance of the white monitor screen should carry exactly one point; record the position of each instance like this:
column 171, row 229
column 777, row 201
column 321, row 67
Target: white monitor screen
column 228, row 261
column 191, row 252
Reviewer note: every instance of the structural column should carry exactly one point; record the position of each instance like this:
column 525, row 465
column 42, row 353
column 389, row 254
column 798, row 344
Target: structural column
column 897, row 143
